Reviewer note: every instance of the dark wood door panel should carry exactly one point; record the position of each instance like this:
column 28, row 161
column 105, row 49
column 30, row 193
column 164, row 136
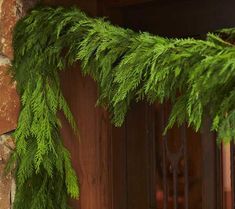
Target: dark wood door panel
column 91, row 7
column 209, row 187
column 124, row 3
column 134, row 155
column 137, row 158
column 178, row 164
column 139, row 155
column 180, row 18
column 91, row 153
column 119, row 168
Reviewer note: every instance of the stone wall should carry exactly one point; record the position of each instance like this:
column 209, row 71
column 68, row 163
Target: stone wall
column 7, row 184
column 10, row 12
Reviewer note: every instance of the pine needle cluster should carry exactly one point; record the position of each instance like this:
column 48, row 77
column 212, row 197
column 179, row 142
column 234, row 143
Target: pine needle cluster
column 197, row 76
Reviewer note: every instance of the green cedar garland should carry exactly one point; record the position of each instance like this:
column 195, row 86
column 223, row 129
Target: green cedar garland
column 198, row 76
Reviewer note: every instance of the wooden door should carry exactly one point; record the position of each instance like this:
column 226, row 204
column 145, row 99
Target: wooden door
column 129, row 167
column 176, row 171
column 182, row 169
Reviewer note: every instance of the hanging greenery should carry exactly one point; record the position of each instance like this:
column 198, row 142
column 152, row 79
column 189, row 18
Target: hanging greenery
column 197, row 76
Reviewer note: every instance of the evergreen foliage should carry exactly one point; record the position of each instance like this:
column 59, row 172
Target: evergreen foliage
column 197, row 76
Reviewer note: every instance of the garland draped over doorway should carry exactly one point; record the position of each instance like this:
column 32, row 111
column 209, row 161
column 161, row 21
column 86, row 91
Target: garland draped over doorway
column 197, row 76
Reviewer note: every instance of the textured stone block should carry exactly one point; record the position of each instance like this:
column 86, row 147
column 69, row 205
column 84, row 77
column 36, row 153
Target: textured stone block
column 9, row 101
column 7, row 184
column 10, row 12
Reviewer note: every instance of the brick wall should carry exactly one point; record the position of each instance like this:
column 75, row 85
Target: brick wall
column 10, row 12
